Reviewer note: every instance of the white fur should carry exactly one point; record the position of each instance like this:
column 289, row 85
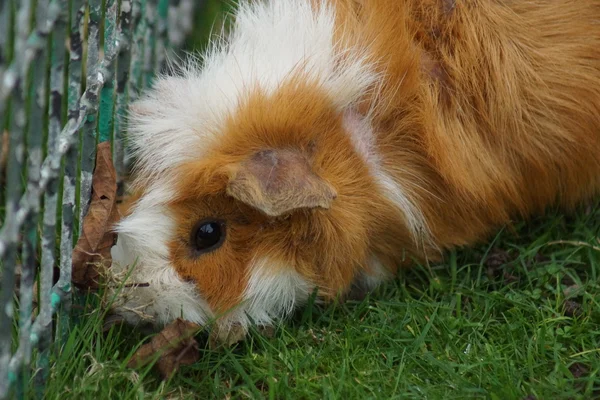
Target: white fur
column 272, row 42
column 363, row 138
column 141, row 255
column 274, row 291
column 415, row 220
column 377, row 274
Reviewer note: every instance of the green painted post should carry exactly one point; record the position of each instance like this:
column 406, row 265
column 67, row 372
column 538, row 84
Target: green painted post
column 48, row 257
column 137, row 50
column 123, row 63
column 5, row 29
column 162, row 37
column 35, row 133
column 77, row 11
column 106, row 122
column 149, row 43
column 14, row 188
column 88, row 140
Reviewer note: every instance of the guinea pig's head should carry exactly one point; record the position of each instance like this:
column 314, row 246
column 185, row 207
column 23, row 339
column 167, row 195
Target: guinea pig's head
column 252, row 181
column 273, row 206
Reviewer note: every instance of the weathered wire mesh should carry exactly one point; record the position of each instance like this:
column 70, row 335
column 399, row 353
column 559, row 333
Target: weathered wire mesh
column 68, row 69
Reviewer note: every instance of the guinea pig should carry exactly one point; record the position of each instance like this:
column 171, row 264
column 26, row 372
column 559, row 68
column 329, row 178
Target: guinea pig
column 319, row 146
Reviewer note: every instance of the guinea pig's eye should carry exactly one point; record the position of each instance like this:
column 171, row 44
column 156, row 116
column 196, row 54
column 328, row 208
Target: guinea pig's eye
column 207, row 235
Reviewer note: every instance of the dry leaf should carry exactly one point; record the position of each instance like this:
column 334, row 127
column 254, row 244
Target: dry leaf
column 573, row 290
column 226, row 336
column 496, row 260
column 267, row 331
column 579, row 370
column 175, row 346
column 92, row 253
column 573, row 308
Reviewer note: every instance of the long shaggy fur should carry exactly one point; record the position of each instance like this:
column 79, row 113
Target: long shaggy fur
column 342, row 139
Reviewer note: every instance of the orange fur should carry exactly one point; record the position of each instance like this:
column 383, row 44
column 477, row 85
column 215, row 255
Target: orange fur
column 487, row 111
column 325, row 246
column 508, row 121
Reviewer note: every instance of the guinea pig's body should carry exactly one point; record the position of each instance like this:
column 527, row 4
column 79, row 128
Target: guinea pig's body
column 326, row 143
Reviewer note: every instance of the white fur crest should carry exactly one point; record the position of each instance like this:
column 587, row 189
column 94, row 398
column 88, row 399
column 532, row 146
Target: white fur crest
column 272, row 42
column 363, row 139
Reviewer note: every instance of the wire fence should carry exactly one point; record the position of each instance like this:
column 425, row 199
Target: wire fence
column 68, row 70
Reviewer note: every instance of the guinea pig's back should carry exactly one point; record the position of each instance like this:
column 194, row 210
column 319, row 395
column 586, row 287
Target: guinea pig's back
column 499, row 102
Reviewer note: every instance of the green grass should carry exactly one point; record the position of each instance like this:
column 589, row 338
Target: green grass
column 209, row 19
column 516, row 317
column 512, row 318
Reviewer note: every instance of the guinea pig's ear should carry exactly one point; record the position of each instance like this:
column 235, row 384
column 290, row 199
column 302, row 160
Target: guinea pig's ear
column 279, row 181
